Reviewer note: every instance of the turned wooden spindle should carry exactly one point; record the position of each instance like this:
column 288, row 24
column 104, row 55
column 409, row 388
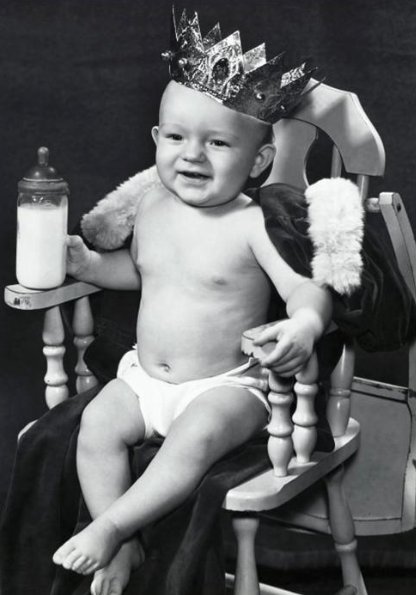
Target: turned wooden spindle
column 53, row 337
column 280, row 428
column 305, row 419
column 339, row 402
column 246, row 579
column 83, row 327
column 342, row 530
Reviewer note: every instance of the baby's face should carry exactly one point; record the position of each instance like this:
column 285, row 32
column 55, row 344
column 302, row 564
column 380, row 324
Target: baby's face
column 205, row 151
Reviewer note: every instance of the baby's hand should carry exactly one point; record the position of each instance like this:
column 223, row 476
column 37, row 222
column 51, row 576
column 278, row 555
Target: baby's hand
column 78, row 256
column 294, row 346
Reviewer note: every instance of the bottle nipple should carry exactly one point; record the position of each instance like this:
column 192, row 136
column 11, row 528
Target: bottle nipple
column 43, row 156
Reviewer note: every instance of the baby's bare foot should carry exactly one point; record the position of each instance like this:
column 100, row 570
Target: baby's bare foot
column 113, row 578
column 90, row 549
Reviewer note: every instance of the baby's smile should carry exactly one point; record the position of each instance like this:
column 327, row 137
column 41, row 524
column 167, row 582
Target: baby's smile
column 194, row 176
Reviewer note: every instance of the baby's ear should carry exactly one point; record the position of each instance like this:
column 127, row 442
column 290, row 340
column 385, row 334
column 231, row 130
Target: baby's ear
column 155, row 134
column 263, row 159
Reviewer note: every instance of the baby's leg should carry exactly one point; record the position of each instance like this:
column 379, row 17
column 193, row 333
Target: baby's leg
column 215, row 423
column 110, row 424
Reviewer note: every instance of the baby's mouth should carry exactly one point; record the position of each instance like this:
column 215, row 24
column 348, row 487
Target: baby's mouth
column 192, row 175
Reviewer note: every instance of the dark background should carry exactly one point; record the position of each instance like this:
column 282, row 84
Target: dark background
column 84, row 77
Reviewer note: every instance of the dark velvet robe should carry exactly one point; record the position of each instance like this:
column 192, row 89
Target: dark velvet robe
column 44, row 506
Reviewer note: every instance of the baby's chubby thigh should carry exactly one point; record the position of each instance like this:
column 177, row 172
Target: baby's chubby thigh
column 219, row 420
column 112, row 419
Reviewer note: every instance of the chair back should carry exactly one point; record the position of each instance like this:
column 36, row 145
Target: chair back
column 381, row 479
column 356, row 143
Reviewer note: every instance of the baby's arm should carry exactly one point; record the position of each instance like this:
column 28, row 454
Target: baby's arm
column 308, row 306
column 111, row 270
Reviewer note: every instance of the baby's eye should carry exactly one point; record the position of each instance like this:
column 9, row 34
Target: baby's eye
column 219, row 143
column 174, row 136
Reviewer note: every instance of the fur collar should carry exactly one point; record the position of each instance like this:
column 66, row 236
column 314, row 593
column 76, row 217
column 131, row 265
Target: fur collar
column 335, row 216
column 108, row 225
column 336, row 228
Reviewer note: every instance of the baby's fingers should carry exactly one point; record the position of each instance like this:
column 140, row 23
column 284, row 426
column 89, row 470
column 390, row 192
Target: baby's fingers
column 295, row 353
column 290, row 368
column 282, row 349
column 268, row 334
column 74, row 241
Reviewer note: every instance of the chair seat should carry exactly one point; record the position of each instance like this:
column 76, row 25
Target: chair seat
column 266, row 491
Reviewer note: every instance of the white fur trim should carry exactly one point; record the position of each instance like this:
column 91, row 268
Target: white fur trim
column 336, row 219
column 111, row 221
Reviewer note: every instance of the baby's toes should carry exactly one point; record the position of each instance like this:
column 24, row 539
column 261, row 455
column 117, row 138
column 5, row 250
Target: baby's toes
column 63, row 552
column 71, row 562
column 89, row 567
column 74, row 561
column 116, row 588
column 85, row 565
column 80, row 564
column 100, row 584
column 95, row 585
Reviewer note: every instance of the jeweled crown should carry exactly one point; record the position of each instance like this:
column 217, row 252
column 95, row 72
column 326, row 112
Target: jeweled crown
column 245, row 82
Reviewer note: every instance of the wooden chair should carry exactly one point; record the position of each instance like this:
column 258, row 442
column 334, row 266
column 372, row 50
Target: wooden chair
column 358, row 148
column 387, row 503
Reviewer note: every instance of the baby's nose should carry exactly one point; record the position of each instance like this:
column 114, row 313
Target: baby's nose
column 193, row 151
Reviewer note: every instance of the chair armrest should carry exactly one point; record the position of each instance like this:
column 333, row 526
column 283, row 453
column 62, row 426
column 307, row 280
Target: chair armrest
column 297, row 432
column 50, row 300
column 287, row 433
column 21, row 298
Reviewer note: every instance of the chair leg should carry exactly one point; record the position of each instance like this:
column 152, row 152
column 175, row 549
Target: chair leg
column 246, row 580
column 342, row 528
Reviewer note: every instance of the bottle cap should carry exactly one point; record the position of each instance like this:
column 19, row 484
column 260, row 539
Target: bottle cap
column 42, row 177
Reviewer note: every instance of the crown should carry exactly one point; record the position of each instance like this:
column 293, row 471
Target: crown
column 245, row 82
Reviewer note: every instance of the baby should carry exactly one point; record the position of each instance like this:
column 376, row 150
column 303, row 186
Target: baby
column 204, row 263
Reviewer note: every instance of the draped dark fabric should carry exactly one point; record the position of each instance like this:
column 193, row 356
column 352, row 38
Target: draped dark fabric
column 44, row 509
column 44, row 506
column 381, row 314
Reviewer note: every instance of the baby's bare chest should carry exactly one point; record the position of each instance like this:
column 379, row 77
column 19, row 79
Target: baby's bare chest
column 206, row 250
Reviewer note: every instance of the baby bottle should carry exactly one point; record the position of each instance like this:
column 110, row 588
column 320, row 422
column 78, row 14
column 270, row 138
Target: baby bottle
column 42, row 214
